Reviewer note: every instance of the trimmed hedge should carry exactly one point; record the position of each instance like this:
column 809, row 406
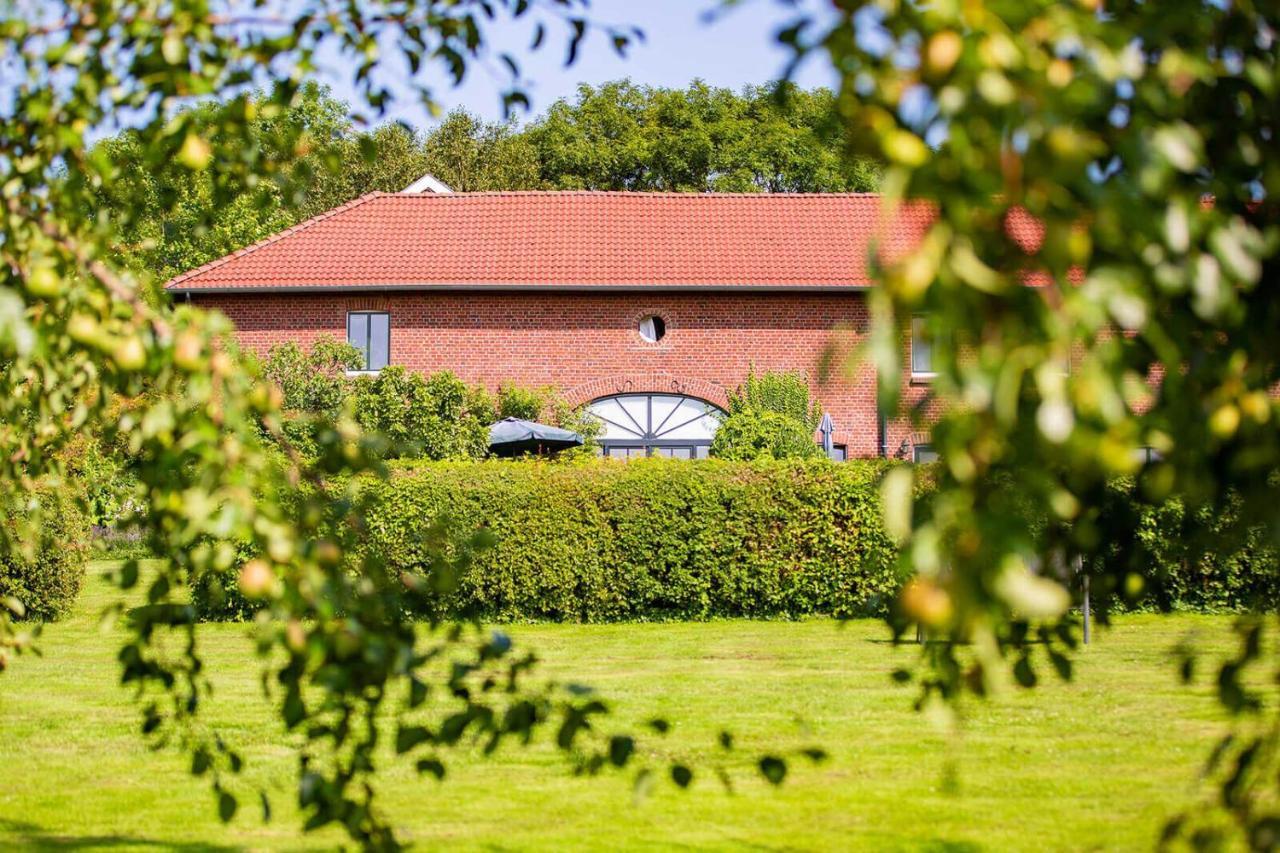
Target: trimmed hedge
column 47, row 578
column 674, row 539
column 651, row 539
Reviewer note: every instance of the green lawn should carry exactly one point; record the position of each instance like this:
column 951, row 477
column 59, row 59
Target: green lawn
column 1097, row 764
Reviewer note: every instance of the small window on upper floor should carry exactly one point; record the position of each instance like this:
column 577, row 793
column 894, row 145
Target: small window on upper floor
column 921, row 349
column 370, row 332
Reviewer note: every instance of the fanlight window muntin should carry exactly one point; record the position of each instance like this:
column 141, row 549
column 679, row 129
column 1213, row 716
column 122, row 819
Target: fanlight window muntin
column 656, row 421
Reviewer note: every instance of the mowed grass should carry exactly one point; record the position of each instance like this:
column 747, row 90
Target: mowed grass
column 1099, row 763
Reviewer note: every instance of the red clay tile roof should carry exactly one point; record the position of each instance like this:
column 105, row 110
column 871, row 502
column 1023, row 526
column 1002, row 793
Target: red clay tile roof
column 576, row 239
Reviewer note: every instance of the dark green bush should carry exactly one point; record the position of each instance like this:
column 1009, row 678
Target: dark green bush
column 1198, row 561
column 46, row 575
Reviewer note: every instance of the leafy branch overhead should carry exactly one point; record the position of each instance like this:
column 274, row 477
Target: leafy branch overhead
column 1125, row 328
column 343, row 656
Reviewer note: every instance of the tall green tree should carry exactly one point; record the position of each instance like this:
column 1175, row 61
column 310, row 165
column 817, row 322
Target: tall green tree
column 623, row 136
column 471, row 155
column 170, row 218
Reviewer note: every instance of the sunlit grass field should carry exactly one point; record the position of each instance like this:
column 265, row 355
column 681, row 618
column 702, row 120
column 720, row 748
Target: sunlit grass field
column 1099, row 763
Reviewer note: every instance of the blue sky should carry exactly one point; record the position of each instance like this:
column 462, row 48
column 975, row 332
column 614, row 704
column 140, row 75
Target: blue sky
column 736, row 49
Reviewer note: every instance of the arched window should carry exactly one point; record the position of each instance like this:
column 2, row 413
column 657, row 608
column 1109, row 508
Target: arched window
column 656, row 425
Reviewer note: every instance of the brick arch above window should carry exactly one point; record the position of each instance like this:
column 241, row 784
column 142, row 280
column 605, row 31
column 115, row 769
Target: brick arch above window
column 370, row 302
column 647, row 383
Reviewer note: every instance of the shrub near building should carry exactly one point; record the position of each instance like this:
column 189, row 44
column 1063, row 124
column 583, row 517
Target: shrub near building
column 770, row 415
column 436, row 416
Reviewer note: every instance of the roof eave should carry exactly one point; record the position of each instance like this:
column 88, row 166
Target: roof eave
column 516, row 287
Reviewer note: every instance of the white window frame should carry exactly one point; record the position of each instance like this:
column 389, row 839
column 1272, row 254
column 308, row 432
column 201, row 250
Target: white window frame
column 918, row 334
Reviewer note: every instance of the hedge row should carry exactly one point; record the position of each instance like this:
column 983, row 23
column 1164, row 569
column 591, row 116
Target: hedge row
column 649, row 539
column 670, row 539
column 1204, row 561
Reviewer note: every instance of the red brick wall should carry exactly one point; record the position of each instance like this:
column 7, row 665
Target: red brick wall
column 587, row 345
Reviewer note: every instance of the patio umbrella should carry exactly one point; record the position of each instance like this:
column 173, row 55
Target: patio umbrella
column 512, row 436
column 826, row 428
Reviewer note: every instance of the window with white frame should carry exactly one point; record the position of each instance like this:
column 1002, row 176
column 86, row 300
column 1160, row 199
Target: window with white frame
column 670, row 425
column 370, row 332
column 921, row 348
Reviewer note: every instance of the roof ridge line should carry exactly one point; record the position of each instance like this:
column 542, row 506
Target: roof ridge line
column 279, row 235
column 459, row 195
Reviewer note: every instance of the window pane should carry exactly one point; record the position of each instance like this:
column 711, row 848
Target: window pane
column 663, row 407
column 633, row 417
column 925, row 453
column 703, row 451
column 358, row 334
column 921, row 348
column 647, row 330
column 638, row 409
column 379, row 341
column 687, row 424
column 616, row 422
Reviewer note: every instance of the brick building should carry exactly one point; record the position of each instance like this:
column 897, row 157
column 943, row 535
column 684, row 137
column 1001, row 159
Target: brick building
column 648, row 307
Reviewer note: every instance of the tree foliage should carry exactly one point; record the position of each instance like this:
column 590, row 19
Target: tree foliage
column 343, row 659
column 622, row 136
column 1140, row 139
column 471, row 155
column 169, row 219
column 784, row 393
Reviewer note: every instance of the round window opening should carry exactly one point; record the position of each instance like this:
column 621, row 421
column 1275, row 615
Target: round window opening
column 653, row 328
